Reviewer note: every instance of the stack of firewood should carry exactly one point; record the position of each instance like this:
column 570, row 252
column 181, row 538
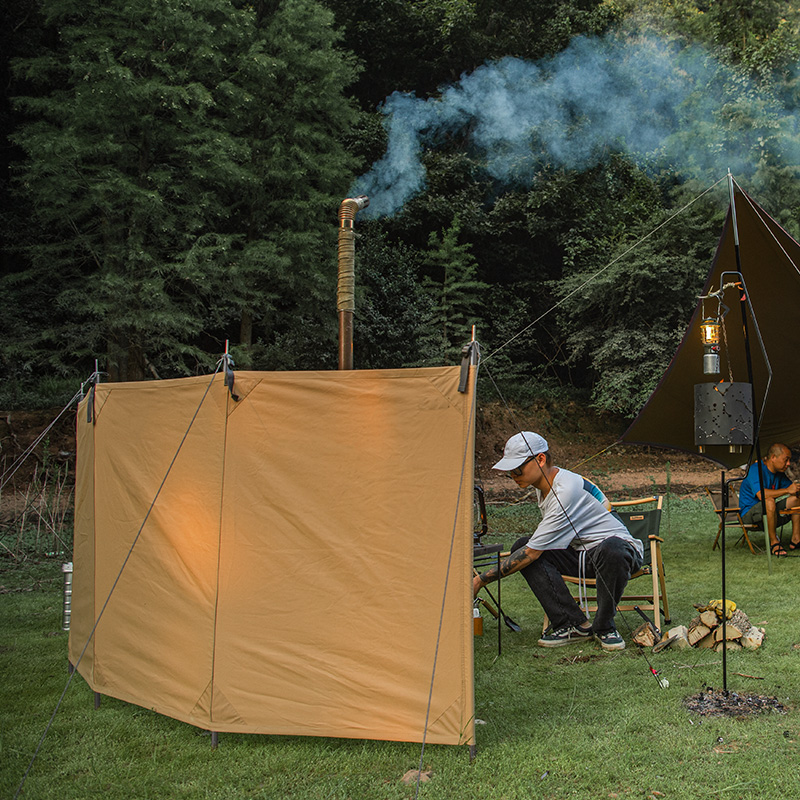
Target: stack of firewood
column 707, row 630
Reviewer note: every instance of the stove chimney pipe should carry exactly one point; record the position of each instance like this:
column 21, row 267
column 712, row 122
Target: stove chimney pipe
column 346, row 288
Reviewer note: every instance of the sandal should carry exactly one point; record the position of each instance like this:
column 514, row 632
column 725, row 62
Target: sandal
column 794, row 546
column 777, row 549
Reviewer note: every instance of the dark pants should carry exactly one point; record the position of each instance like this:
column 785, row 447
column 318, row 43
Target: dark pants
column 612, row 562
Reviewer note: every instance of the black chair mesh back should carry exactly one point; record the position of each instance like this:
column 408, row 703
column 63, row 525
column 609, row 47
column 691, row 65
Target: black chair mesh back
column 641, row 525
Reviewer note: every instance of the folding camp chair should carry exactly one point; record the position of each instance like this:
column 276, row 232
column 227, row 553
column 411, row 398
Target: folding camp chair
column 733, row 517
column 644, row 524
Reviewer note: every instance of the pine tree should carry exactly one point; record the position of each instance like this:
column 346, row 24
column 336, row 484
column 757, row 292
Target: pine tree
column 285, row 260
column 181, row 159
column 454, row 291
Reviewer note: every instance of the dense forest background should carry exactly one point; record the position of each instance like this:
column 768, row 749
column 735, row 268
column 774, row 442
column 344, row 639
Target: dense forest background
column 172, row 171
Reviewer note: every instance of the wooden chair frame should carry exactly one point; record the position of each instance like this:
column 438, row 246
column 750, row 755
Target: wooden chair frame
column 654, row 600
column 733, row 518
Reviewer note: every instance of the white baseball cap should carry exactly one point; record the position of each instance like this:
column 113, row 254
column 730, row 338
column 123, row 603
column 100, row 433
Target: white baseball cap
column 519, row 448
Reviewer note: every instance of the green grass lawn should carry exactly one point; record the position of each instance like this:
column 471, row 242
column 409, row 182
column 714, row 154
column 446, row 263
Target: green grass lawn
column 571, row 722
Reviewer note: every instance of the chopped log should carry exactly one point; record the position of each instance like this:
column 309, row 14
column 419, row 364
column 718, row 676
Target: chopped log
column 680, row 634
column 666, row 642
column 710, row 619
column 644, row 636
column 707, row 640
column 697, row 632
column 728, row 632
column 740, row 620
column 727, row 645
column 753, row 638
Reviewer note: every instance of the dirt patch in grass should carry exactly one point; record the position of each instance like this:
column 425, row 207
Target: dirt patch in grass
column 719, row 703
column 581, row 658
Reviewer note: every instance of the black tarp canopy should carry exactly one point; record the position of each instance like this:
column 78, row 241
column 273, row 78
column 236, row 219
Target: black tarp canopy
column 770, row 261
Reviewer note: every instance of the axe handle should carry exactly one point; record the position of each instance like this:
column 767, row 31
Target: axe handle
column 489, row 607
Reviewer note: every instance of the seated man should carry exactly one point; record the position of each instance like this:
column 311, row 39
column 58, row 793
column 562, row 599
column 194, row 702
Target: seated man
column 578, row 535
column 776, row 485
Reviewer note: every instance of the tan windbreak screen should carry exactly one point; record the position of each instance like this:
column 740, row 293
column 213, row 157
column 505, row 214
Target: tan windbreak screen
column 287, row 571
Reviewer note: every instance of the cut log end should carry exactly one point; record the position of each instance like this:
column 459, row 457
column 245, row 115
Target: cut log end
column 644, row 636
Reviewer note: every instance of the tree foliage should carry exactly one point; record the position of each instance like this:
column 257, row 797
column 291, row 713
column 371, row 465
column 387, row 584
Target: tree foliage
column 634, row 309
column 420, row 46
column 181, row 159
column 453, row 289
column 392, row 310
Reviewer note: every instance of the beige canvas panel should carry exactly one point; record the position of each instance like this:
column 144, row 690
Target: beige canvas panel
column 335, row 513
column 151, row 644
column 373, row 461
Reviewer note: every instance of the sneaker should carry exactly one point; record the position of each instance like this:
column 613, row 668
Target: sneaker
column 565, row 635
column 610, row 640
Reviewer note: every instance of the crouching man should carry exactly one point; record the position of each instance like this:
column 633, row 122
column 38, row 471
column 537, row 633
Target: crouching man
column 578, row 535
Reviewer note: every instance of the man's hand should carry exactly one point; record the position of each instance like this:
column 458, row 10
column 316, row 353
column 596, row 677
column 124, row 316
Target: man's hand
column 793, row 489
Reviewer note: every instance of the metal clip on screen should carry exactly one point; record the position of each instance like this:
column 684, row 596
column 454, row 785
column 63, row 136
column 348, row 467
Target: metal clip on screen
column 470, row 353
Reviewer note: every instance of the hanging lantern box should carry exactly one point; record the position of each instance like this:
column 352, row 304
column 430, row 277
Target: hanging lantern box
column 723, row 414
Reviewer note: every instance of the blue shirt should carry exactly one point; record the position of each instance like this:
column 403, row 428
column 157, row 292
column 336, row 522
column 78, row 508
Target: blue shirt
column 750, row 486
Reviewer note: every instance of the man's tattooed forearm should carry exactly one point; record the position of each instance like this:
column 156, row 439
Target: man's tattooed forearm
column 516, row 561
column 490, row 576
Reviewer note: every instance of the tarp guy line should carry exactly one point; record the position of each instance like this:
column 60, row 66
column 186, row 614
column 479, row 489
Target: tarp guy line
column 114, row 586
column 10, row 472
column 603, row 269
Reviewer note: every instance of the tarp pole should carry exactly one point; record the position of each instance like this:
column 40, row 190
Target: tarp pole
column 345, row 290
column 745, row 334
column 724, row 607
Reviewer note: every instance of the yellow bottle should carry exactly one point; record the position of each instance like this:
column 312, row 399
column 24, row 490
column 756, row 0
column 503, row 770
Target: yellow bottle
column 477, row 622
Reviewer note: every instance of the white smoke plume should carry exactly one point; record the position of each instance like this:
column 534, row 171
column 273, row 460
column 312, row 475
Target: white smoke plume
column 664, row 104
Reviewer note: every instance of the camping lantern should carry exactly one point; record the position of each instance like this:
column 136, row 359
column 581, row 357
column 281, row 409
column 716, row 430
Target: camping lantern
column 709, row 334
